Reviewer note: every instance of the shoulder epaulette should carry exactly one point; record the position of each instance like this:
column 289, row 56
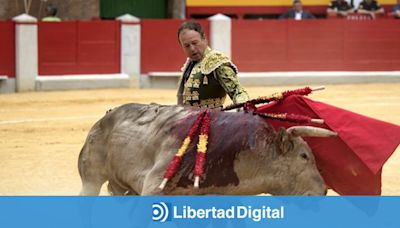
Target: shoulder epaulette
column 213, row 60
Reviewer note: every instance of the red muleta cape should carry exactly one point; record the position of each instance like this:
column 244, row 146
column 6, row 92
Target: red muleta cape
column 351, row 163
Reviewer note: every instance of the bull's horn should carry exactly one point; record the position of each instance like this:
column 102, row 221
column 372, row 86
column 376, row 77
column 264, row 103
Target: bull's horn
column 310, row 131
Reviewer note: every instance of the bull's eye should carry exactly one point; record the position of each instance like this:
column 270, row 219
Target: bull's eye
column 304, row 156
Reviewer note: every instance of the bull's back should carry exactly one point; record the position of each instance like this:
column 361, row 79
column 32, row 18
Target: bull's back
column 137, row 137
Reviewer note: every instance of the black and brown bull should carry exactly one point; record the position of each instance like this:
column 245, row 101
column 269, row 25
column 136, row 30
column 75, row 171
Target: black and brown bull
column 132, row 146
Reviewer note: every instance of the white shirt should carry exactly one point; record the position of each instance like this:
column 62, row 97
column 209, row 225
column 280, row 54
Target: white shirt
column 297, row 15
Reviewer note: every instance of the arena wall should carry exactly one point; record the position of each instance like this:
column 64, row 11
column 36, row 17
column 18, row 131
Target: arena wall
column 90, row 54
column 79, row 47
column 160, row 50
column 7, row 47
column 318, row 45
column 7, row 57
column 285, row 45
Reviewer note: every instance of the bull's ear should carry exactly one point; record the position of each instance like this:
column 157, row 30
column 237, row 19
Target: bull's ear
column 283, row 141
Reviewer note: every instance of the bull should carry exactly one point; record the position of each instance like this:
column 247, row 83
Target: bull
column 132, row 146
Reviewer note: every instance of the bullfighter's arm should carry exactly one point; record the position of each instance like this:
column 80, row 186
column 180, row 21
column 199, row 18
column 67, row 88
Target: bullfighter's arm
column 229, row 81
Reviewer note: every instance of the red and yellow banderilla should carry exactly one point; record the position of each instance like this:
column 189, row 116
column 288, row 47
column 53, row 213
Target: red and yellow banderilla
column 274, row 97
column 202, row 119
column 202, row 149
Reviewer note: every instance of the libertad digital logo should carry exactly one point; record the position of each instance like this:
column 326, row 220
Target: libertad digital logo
column 161, row 211
column 166, row 212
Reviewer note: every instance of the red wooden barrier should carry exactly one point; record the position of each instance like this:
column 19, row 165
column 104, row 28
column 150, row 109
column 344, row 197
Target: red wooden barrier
column 316, row 45
column 79, row 47
column 160, row 50
column 7, row 48
column 372, row 45
column 93, row 47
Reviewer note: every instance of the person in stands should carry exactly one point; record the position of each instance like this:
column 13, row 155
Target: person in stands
column 297, row 12
column 396, row 10
column 370, row 7
column 51, row 14
column 354, row 4
column 339, row 8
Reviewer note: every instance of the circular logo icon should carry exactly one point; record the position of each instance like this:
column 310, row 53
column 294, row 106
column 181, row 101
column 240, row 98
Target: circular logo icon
column 160, row 212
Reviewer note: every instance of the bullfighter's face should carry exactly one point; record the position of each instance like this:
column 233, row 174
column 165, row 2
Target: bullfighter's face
column 193, row 44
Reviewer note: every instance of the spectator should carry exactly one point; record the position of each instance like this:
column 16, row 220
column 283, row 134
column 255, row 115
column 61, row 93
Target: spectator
column 51, row 14
column 339, row 8
column 370, row 7
column 297, row 12
column 354, row 3
column 396, row 10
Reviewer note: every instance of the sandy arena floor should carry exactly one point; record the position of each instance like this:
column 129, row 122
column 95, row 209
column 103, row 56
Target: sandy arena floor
column 41, row 133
